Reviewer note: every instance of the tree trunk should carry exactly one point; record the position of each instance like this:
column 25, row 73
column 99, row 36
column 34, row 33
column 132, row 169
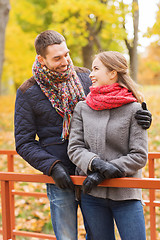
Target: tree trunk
column 87, row 54
column 4, row 14
column 133, row 51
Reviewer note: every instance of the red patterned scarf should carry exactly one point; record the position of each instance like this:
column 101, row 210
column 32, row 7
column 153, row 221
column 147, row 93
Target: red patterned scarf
column 109, row 96
column 64, row 91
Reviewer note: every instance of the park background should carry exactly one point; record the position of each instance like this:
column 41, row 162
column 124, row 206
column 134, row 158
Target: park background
column 129, row 26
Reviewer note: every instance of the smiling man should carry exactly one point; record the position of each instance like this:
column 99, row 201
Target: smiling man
column 44, row 107
column 55, row 57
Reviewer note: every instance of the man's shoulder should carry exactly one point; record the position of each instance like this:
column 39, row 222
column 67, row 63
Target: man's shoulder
column 81, row 69
column 27, row 84
column 83, row 74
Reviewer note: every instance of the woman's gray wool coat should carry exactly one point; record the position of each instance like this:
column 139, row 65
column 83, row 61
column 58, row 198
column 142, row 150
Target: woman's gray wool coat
column 114, row 136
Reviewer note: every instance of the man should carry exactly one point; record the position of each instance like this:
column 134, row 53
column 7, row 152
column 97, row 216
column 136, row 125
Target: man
column 44, row 107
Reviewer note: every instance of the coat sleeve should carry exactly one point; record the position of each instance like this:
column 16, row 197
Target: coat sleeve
column 77, row 150
column 138, row 149
column 25, row 133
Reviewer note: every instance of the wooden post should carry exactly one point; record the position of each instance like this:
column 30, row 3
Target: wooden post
column 6, row 214
column 152, row 199
column 10, row 160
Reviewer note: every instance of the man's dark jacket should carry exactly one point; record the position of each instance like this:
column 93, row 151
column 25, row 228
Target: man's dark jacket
column 38, row 126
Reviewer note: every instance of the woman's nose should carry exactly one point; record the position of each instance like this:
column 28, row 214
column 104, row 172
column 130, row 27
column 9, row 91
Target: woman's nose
column 91, row 74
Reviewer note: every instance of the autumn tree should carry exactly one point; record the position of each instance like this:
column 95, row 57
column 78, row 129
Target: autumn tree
column 154, row 31
column 132, row 43
column 24, row 25
column 149, row 63
column 149, row 67
column 97, row 25
column 101, row 24
column 90, row 27
column 132, row 49
column 4, row 14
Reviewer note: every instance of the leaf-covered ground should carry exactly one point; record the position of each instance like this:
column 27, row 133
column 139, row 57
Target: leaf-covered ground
column 33, row 214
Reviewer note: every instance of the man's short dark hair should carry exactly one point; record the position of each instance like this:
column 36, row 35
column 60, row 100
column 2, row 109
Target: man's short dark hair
column 46, row 38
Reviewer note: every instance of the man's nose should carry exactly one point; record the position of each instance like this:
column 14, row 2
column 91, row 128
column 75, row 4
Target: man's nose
column 65, row 61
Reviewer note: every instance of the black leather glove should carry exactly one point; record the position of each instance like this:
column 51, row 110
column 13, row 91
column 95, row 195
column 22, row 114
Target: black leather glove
column 61, row 176
column 144, row 117
column 92, row 181
column 108, row 170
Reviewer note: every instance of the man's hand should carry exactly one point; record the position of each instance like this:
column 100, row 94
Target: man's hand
column 107, row 169
column 144, row 117
column 92, row 181
column 61, row 177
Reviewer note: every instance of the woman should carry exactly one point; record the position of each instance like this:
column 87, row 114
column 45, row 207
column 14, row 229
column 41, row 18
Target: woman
column 106, row 142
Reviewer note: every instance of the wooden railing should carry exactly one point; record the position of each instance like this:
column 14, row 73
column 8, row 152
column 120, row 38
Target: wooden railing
column 7, row 194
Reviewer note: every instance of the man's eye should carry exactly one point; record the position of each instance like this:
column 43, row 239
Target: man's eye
column 57, row 59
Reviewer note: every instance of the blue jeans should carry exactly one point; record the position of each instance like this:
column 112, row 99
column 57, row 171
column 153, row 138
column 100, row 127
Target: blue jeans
column 63, row 208
column 100, row 215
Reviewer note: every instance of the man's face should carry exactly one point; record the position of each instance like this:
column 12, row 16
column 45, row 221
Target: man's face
column 57, row 57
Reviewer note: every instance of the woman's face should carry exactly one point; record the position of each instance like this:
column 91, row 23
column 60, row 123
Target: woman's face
column 100, row 75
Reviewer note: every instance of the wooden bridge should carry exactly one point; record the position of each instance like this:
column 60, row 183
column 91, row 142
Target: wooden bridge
column 8, row 192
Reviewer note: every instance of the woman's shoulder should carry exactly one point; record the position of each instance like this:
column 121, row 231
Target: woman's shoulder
column 129, row 110
column 81, row 104
column 134, row 106
column 82, row 107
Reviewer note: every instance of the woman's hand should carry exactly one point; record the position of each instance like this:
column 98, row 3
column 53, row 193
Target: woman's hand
column 92, row 181
column 107, row 169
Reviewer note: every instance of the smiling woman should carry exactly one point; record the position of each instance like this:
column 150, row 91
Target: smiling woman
column 101, row 75
column 112, row 145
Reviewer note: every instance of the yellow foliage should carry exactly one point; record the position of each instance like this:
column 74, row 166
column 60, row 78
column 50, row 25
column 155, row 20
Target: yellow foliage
column 19, row 53
column 149, row 67
column 74, row 19
column 26, row 10
column 30, row 224
column 154, row 30
column 79, row 22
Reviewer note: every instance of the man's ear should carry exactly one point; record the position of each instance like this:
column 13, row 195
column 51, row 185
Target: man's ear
column 41, row 59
